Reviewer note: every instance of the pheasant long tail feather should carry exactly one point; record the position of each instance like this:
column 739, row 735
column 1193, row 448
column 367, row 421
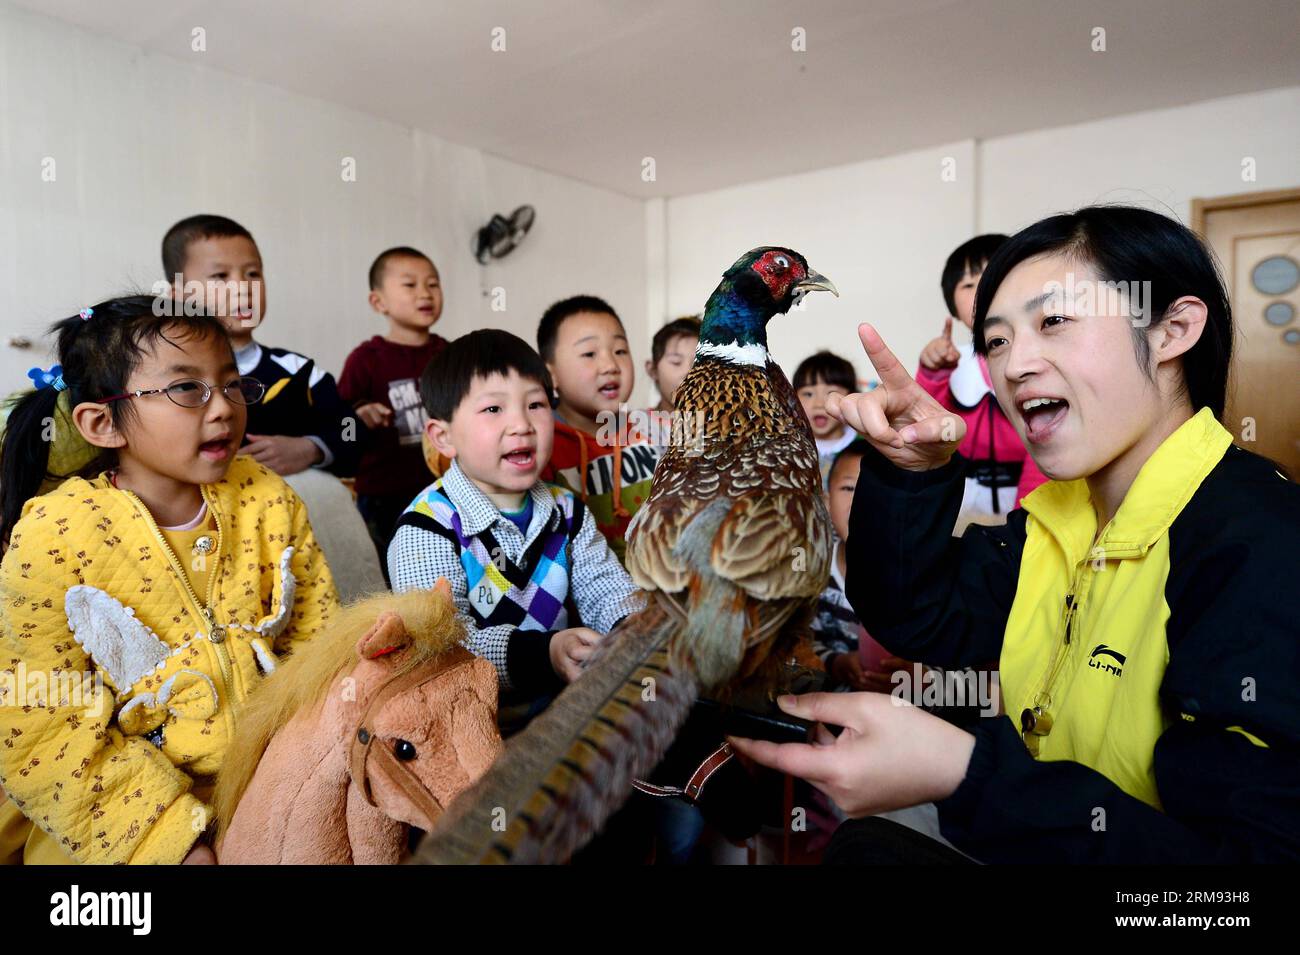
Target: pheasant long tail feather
column 561, row 778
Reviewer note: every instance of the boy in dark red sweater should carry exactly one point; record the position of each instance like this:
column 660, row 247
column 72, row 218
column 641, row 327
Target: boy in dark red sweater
column 381, row 381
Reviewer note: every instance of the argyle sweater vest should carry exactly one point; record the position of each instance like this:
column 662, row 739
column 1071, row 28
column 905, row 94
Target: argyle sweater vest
column 530, row 595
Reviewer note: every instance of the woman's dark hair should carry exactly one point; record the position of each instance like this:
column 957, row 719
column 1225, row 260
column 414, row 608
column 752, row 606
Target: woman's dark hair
column 1132, row 245
column 971, row 256
column 686, row 327
column 489, row 351
column 828, row 368
column 97, row 355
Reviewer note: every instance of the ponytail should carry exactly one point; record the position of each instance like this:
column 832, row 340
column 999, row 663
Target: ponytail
column 25, row 455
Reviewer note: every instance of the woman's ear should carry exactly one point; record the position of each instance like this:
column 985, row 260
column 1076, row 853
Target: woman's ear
column 1181, row 328
column 439, row 435
column 95, row 422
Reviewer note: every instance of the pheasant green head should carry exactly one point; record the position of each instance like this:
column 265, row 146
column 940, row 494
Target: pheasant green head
column 763, row 282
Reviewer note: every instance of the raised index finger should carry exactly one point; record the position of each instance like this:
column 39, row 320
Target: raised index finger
column 890, row 369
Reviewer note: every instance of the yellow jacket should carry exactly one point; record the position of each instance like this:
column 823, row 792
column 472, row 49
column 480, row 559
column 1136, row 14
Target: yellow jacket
column 1148, row 667
column 91, row 596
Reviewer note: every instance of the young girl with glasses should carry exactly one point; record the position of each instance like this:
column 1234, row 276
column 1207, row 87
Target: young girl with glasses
column 141, row 601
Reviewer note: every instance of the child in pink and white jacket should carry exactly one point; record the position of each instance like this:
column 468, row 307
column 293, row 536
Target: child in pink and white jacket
column 1000, row 470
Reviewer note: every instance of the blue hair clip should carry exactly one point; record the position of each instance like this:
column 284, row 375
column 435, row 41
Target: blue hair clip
column 86, row 313
column 47, row 379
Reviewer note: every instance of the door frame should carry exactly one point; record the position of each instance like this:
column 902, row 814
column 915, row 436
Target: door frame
column 1240, row 200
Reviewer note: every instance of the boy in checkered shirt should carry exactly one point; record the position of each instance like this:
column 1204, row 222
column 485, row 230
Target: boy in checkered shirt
column 536, row 584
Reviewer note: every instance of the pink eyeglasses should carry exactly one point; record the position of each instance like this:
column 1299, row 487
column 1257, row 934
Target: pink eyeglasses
column 192, row 393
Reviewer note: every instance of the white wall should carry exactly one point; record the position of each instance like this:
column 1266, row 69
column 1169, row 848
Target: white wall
column 1161, row 159
column 873, row 228
column 882, row 229
column 140, row 141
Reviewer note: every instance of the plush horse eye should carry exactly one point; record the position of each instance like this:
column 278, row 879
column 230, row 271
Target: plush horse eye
column 404, row 751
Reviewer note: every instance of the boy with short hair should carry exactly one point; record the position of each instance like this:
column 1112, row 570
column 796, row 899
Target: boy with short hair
column 301, row 422
column 526, row 563
column 816, row 379
column 584, row 345
column 381, row 381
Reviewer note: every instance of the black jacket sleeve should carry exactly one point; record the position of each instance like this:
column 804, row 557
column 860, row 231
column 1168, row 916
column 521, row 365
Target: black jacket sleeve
column 528, row 661
column 920, row 592
column 1227, row 768
column 335, row 423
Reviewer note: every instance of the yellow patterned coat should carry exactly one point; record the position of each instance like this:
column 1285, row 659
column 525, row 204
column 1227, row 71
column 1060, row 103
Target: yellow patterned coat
column 119, row 685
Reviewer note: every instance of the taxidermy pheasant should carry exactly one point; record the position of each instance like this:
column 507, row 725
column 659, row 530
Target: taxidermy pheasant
column 733, row 547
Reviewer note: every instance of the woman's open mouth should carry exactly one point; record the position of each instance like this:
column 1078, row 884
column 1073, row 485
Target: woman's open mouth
column 1042, row 417
column 523, row 459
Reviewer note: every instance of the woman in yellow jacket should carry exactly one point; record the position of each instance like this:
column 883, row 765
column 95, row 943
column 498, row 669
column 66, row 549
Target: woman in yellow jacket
column 1139, row 604
column 139, row 607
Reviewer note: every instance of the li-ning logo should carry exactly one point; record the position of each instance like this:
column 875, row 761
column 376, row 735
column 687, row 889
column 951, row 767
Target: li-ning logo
column 1102, row 650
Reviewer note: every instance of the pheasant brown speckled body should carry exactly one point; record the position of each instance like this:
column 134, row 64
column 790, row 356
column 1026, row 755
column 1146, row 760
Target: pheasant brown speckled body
column 733, row 547
column 756, row 469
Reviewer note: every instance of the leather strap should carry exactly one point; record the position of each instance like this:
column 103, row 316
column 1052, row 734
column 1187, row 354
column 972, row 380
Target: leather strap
column 716, row 760
column 384, row 763
column 712, row 763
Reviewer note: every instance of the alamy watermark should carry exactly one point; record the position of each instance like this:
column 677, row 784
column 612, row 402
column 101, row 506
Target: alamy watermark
column 132, row 909
column 242, row 300
column 1090, row 297
column 931, row 687
column 20, row 687
column 666, row 428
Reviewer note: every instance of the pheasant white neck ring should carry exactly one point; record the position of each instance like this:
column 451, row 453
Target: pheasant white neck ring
column 736, row 353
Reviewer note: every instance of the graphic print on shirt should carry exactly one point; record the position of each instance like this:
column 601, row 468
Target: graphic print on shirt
column 1098, row 660
column 408, row 411
column 638, row 464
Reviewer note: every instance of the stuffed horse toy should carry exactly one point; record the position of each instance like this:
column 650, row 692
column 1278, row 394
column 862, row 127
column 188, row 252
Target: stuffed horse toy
column 350, row 742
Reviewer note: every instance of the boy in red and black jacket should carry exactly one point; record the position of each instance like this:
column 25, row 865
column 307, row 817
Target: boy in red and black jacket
column 598, row 453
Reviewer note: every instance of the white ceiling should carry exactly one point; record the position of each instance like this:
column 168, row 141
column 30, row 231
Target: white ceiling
column 712, row 90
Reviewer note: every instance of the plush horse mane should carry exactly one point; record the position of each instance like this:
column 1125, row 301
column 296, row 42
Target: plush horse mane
column 304, row 678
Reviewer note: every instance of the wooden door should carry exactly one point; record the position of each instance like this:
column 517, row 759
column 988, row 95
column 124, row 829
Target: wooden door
column 1257, row 240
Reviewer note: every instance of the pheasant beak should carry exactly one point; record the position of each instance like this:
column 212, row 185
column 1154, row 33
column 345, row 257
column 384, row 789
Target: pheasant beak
column 816, row 282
